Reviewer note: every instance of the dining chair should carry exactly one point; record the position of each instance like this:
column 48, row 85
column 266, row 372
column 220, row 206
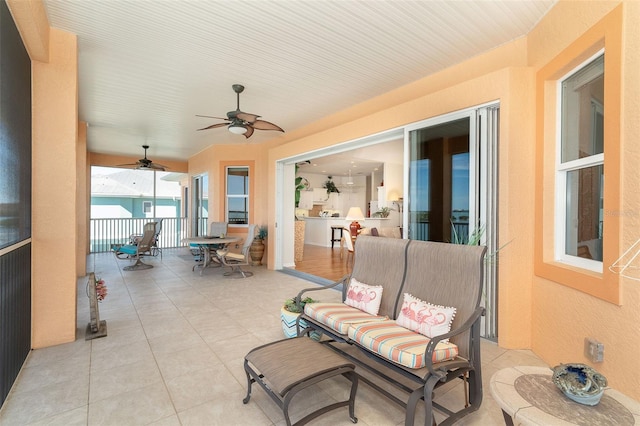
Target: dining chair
column 236, row 260
column 348, row 242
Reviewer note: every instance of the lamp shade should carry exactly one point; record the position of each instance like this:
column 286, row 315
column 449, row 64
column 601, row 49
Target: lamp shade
column 354, row 214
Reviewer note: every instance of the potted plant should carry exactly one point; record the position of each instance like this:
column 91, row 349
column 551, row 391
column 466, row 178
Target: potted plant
column 290, row 312
column 382, row 212
column 330, row 186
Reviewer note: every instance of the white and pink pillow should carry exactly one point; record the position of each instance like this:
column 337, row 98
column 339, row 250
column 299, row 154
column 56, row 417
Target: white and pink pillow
column 365, row 297
column 425, row 318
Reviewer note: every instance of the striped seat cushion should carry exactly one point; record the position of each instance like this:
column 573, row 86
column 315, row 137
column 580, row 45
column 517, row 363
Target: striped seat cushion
column 398, row 344
column 338, row 316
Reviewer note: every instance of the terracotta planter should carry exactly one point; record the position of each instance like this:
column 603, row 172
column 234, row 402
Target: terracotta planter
column 256, row 252
column 288, row 320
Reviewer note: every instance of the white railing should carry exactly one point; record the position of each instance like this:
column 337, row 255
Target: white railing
column 105, row 233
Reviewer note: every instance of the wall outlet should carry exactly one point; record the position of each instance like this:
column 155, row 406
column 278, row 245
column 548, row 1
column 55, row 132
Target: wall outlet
column 593, row 350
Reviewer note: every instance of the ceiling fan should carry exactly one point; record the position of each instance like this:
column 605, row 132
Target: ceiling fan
column 241, row 123
column 145, row 163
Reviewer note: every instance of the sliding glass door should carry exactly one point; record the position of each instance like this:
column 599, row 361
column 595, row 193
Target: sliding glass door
column 200, row 196
column 452, row 187
column 440, row 182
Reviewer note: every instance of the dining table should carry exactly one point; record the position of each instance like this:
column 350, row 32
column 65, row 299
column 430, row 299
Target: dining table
column 209, row 246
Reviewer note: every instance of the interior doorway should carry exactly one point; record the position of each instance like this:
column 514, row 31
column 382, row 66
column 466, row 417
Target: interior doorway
column 450, row 188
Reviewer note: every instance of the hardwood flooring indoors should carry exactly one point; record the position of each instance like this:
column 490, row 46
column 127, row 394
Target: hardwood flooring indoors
column 324, row 262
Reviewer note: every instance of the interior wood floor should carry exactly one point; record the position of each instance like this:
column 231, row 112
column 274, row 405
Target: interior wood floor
column 324, row 262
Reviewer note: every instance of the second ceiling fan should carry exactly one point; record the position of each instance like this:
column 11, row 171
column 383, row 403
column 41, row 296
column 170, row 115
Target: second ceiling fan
column 239, row 122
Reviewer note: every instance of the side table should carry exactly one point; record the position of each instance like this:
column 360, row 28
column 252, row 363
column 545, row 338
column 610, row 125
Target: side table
column 527, row 396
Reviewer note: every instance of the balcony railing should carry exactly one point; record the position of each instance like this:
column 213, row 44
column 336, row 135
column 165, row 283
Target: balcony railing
column 420, row 230
column 105, row 233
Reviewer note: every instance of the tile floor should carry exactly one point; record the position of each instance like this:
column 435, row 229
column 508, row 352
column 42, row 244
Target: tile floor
column 174, row 351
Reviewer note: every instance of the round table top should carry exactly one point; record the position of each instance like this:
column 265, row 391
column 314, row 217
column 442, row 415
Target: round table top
column 211, row 240
column 528, row 395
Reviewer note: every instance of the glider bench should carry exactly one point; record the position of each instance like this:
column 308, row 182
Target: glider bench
column 411, row 316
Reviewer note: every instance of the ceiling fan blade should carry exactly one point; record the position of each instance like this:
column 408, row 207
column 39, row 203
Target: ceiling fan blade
column 249, row 131
column 209, row 116
column 249, row 118
column 265, row 125
column 126, row 165
column 213, row 126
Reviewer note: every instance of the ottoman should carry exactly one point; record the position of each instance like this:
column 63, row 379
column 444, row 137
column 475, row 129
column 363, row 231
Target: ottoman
column 285, row 367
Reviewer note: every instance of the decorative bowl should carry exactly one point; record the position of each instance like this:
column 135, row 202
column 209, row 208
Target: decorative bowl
column 579, row 382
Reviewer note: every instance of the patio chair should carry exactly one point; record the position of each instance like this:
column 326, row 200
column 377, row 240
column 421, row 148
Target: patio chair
column 236, row 260
column 138, row 249
column 155, row 248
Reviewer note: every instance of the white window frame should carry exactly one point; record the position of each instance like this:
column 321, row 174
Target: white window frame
column 562, row 171
column 228, row 196
column 147, row 207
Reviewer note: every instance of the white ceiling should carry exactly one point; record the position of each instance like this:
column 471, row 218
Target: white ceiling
column 146, row 68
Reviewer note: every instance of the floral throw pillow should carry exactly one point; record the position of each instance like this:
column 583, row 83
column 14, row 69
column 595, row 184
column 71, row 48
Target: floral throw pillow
column 425, row 318
column 364, row 297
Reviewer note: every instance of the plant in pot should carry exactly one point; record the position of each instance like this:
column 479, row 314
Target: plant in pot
column 256, row 251
column 290, row 312
column 330, row 186
column 382, row 212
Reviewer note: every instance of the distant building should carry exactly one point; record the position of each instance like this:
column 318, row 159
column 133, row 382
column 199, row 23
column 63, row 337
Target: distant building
column 129, row 194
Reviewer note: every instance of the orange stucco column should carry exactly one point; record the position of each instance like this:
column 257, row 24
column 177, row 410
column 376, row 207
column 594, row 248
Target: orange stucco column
column 54, row 189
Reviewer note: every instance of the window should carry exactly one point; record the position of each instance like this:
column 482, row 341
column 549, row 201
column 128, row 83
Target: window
column 146, row 207
column 578, row 216
column 237, row 195
column 580, row 168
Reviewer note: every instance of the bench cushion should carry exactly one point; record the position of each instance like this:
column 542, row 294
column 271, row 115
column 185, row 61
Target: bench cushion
column 398, row 344
column 338, row 316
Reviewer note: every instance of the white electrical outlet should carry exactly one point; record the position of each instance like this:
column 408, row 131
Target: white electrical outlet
column 593, row 350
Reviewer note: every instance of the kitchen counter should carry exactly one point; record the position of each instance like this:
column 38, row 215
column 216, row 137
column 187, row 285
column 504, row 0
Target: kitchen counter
column 318, row 229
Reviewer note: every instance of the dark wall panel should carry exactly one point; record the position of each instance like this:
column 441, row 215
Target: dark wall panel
column 15, row 134
column 15, row 315
column 15, row 202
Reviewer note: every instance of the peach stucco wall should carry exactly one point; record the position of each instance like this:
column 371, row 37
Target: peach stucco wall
column 54, row 192
column 563, row 317
column 536, row 313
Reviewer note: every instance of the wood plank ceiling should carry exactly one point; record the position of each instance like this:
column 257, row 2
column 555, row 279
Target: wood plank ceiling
column 146, row 68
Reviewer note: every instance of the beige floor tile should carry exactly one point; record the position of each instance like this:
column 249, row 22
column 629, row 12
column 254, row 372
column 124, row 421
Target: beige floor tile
column 229, row 411
column 235, row 347
column 197, row 387
column 123, row 378
column 174, row 356
column 141, row 406
column 171, row 420
column 174, row 342
column 195, row 358
column 76, row 417
column 46, row 401
column 115, row 356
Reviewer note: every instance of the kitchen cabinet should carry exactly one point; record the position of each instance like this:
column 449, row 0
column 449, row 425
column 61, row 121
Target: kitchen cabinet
column 306, row 200
column 318, row 229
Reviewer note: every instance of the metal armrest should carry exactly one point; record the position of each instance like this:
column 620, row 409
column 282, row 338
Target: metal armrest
column 431, row 346
column 342, row 280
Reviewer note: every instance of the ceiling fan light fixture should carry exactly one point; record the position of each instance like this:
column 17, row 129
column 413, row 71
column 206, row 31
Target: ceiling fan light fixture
column 350, row 179
column 238, row 129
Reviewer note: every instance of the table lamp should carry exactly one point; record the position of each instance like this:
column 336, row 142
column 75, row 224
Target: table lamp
column 354, row 214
